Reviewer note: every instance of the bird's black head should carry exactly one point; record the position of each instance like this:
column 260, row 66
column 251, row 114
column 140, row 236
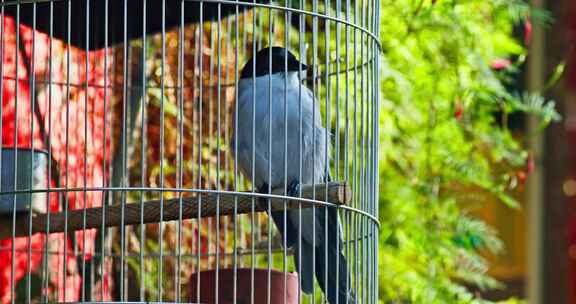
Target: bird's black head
column 282, row 61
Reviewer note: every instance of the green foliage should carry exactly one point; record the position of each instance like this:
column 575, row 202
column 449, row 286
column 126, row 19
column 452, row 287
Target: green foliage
column 442, row 135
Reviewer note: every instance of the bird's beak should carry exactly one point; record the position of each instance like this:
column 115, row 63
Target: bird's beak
column 304, row 72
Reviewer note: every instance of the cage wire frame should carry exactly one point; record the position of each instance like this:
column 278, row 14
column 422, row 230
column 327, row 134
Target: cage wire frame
column 140, row 116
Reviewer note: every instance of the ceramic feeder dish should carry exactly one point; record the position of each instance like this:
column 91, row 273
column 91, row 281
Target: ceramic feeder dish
column 244, row 292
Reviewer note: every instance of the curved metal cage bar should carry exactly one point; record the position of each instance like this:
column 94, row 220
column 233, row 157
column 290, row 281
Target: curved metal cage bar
column 148, row 156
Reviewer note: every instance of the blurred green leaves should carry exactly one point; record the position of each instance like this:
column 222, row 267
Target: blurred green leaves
column 447, row 90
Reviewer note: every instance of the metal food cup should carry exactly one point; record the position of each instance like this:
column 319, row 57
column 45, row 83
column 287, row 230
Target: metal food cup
column 31, row 174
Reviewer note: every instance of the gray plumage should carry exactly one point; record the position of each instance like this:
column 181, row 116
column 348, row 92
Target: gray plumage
column 304, row 126
column 313, row 167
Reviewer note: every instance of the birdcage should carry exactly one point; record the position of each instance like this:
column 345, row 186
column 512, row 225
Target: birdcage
column 217, row 151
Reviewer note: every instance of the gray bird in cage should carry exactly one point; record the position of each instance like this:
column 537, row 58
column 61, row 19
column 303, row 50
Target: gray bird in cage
column 281, row 138
column 128, row 108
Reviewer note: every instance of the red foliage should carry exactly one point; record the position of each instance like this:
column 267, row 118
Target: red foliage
column 527, row 31
column 459, row 110
column 530, row 165
column 500, row 64
column 75, row 127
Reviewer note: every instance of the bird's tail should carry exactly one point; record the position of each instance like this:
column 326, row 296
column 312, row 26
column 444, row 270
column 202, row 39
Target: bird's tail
column 303, row 251
column 303, row 259
column 331, row 268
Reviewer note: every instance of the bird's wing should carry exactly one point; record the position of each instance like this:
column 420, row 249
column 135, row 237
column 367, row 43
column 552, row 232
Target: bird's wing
column 304, row 110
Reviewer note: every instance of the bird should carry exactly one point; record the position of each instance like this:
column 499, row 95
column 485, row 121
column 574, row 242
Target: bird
column 269, row 79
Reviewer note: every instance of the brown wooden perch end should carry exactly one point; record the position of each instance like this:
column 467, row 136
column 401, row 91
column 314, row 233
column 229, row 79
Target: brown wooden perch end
column 202, row 205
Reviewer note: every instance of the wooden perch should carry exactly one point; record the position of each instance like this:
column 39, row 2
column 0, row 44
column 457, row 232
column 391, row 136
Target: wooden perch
column 338, row 193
